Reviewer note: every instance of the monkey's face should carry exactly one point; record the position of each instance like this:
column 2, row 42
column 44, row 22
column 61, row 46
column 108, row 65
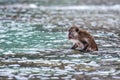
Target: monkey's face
column 73, row 33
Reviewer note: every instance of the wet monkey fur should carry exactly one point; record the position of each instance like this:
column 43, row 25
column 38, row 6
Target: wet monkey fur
column 82, row 39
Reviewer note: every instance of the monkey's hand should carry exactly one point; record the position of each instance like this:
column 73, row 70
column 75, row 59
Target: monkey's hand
column 74, row 46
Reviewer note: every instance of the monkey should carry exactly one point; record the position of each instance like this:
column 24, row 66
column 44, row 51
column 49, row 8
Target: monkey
column 82, row 39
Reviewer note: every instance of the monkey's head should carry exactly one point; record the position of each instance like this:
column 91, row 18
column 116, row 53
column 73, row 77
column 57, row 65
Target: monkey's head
column 73, row 32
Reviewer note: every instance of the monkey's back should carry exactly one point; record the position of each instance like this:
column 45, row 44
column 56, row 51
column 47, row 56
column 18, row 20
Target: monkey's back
column 84, row 35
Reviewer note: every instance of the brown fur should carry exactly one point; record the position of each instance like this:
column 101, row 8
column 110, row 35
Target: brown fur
column 82, row 39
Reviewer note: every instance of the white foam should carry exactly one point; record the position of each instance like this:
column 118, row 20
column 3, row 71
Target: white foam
column 83, row 7
column 73, row 7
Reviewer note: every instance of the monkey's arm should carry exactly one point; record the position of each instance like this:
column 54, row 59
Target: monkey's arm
column 74, row 46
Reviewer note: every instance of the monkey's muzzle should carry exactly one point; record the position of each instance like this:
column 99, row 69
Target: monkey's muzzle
column 70, row 35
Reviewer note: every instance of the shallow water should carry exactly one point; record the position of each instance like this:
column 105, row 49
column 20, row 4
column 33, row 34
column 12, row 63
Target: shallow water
column 34, row 44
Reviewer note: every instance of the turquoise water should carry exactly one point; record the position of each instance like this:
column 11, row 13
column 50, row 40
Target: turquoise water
column 22, row 37
column 26, row 29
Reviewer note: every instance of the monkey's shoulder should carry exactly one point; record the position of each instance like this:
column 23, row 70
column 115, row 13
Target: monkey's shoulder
column 84, row 32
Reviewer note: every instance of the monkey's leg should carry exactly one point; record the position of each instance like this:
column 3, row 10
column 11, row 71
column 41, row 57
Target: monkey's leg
column 85, row 46
column 74, row 46
column 89, row 49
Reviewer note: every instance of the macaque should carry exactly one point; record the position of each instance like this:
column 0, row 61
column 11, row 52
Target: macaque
column 82, row 39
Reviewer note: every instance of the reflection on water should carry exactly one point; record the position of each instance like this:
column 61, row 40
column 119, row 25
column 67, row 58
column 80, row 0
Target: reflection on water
column 34, row 44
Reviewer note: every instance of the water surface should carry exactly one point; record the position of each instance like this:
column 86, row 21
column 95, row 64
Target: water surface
column 34, row 44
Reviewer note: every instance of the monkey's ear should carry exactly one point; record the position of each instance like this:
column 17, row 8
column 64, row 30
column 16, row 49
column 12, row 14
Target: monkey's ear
column 77, row 30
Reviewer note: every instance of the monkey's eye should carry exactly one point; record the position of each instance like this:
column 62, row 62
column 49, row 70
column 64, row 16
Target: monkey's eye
column 77, row 30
